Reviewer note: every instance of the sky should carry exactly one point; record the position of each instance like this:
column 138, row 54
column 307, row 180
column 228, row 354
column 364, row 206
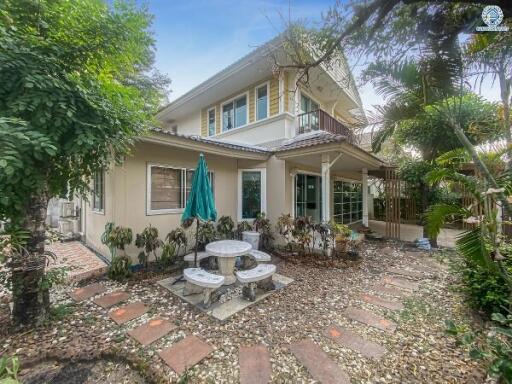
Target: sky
column 197, row 38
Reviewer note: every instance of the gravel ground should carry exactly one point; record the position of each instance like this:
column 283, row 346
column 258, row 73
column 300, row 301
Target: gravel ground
column 418, row 352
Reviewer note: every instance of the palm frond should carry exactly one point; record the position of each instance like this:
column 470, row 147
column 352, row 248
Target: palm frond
column 456, row 156
column 471, row 244
column 439, row 214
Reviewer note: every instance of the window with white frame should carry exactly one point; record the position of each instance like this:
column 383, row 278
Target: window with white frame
column 252, row 193
column 262, row 102
column 168, row 188
column 211, row 122
column 234, row 113
column 347, row 201
column 98, row 191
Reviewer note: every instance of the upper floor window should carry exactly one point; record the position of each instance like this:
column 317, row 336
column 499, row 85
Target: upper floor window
column 234, row 113
column 211, row 122
column 98, row 191
column 262, row 102
column 307, row 104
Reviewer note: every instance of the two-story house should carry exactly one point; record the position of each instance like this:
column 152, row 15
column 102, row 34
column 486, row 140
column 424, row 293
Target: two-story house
column 272, row 145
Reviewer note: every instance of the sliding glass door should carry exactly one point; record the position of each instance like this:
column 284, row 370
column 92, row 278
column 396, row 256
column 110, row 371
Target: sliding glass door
column 308, row 196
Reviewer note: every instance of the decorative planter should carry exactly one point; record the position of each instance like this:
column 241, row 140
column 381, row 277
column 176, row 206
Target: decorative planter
column 341, row 244
column 253, row 238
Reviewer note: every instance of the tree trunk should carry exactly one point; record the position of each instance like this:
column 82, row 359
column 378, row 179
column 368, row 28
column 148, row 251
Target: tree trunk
column 505, row 100
column 31, row 298
column 425, row 190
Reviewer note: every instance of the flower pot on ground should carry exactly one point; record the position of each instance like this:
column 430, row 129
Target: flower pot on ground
column 252, row 237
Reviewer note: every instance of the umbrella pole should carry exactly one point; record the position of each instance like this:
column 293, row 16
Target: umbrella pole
column 197, row 242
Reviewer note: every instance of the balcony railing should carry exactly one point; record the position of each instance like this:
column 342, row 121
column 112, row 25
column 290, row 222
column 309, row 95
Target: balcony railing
column 321, row 120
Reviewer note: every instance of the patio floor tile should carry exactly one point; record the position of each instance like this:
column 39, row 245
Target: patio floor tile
column 255, row 367
column 84, row 293
column 186, row 353
column 110, row 299
column 371, row 319
column 128, row 312
column 318, row 363
column 376, row 300
column 406, row 272
column 352, row 340
column 151, row 331
column 400, row 283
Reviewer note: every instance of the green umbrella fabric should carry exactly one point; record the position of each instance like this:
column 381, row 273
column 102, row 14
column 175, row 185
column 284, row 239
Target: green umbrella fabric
column 200, row 203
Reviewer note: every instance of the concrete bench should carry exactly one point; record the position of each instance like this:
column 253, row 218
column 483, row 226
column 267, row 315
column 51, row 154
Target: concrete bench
column 200, row 281
column 260, row 276
column 200, row 256
column 254, row 258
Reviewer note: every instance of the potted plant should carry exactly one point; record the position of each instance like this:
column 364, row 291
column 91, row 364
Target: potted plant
column 264, row 228
column 178, row 237
column 149, row 242
column 342, row 237
column 242, row 227
column 284, row 227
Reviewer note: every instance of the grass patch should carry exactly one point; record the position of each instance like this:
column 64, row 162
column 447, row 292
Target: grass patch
column 61, row 311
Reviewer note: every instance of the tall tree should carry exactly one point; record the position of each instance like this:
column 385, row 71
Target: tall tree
column 77, row 88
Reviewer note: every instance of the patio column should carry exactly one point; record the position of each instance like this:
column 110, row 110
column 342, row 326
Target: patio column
column 364, row 186
column 326, row 188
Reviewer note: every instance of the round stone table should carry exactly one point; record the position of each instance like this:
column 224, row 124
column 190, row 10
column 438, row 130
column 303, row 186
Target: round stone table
column 226, row 252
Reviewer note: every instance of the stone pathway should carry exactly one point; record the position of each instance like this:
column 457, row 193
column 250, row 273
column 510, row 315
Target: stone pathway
column 255, row 367
column 318, row 363
column 254, row 361
column 347, row 338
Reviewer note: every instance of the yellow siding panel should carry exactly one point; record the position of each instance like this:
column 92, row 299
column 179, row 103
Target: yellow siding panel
column 274, row 97
column 204, row 122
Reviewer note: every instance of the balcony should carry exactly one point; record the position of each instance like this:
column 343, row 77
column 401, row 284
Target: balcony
column 321, row 120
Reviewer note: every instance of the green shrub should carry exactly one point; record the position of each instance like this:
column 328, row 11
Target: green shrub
column 120, row 267
column 149, row 242
column 263, row 226
column 486, row 289
column 225, row 227
column 9, row 368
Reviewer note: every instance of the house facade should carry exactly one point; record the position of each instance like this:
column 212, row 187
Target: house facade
column 272, row 145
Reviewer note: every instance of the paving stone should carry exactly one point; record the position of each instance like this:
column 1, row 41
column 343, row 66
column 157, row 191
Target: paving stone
column 84, row 293
column 128, row 312
column 186, row 353
column 151, row 331
column 406, row 272
column 352, row 340
column 382, row 289
column 255, row 367
column 318, row 363
column 422, row 268
column 400, row 283
column 371, row 319
column 389, row 304
column 110, row 299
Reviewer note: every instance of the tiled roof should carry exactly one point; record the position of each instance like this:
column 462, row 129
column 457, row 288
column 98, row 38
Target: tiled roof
column 220, row 143
column 310, row 139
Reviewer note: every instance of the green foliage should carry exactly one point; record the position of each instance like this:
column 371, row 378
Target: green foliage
column 178, row 237
column 225, row 227
column 116, row 237
column 75, row 92
column 439, row 214
column 207, row 233
column 303, row 232
column 9, row 368
column 120, row 267
column 262, row 225
column 148, row 240
column 61, row 311
column 242, row 227
column 168, row 254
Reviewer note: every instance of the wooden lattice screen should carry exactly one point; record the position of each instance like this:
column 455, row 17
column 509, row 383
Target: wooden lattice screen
column 392, row 203
column 409, row 203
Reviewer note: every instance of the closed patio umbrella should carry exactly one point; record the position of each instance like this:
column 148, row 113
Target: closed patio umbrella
column 200, row 202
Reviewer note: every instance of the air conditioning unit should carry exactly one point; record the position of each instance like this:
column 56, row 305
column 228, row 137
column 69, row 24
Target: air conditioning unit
column 67, row 209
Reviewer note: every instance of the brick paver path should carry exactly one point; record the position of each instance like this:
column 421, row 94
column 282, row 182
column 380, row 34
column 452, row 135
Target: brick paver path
column 186, row 353
column 389, row 304
column 352, row 340
column 128, row 312
column 153, row 330
column 318, row 363
column 382, row 289
column 400, row 283
column 370, row 319
column 255, row 367
column 83, row 262
column 84, row 293
column 406, row 272
column 110, row 299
